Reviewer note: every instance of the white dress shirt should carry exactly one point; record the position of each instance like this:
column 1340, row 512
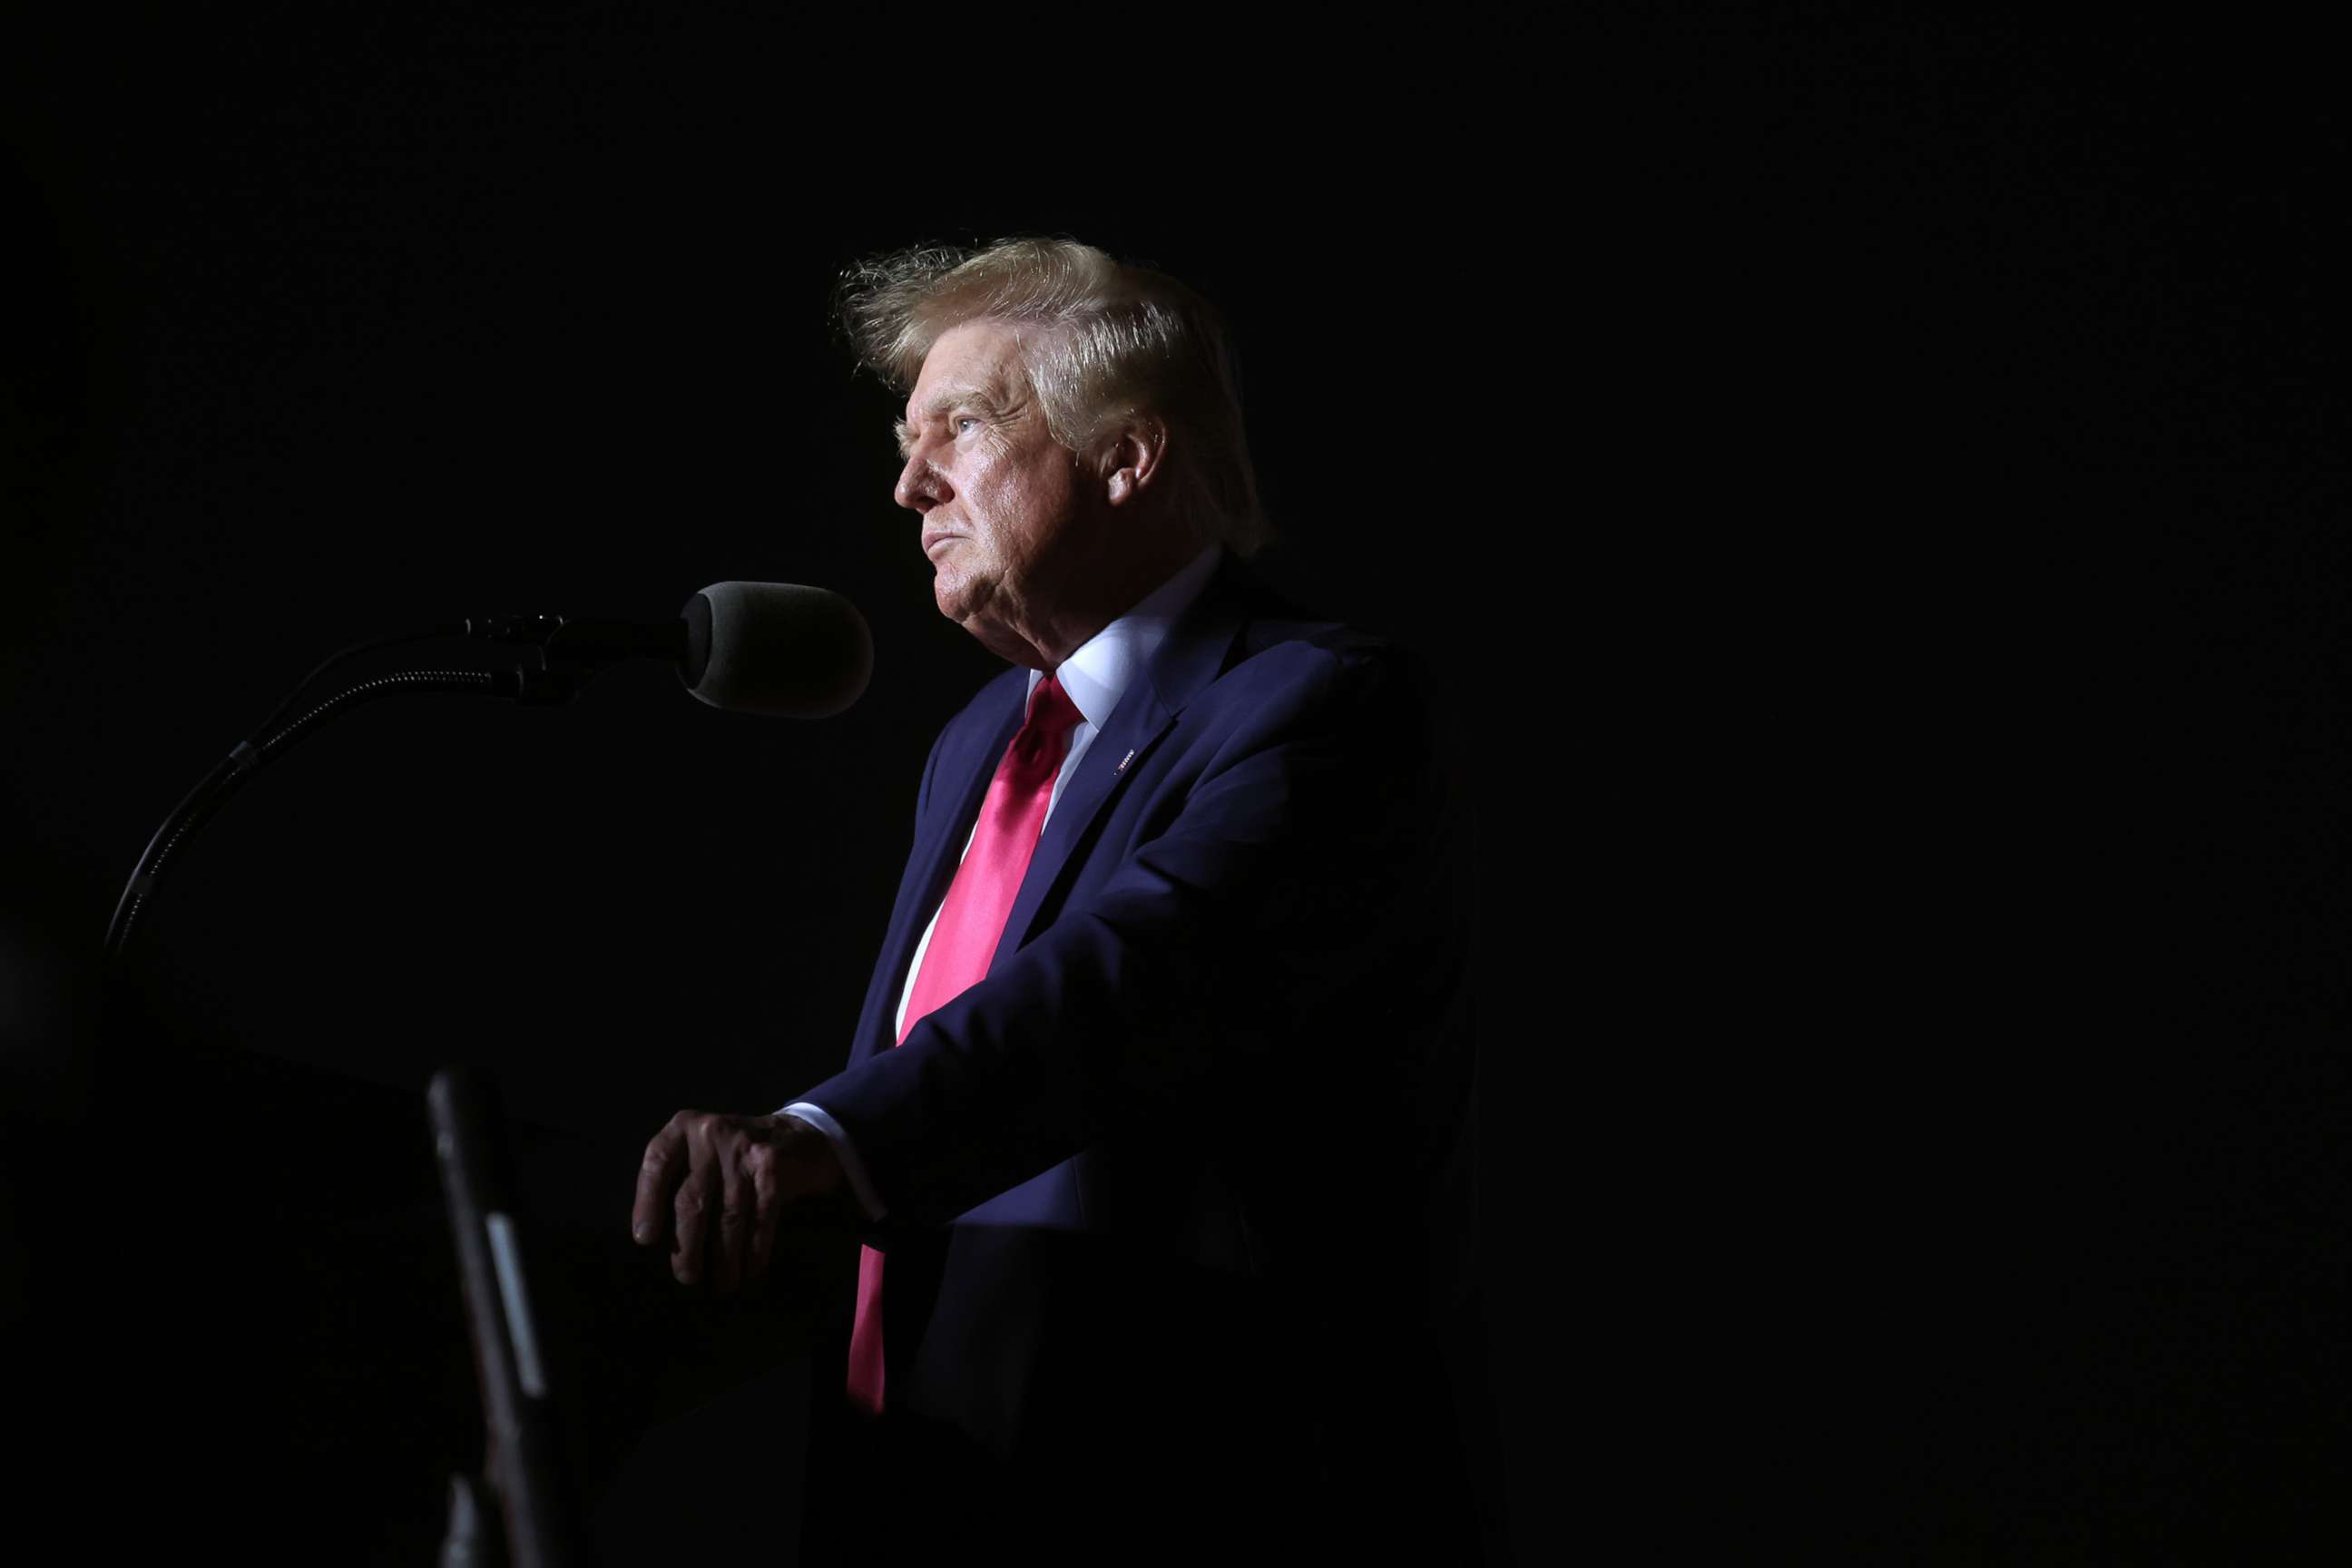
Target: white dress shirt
column 1095, row 677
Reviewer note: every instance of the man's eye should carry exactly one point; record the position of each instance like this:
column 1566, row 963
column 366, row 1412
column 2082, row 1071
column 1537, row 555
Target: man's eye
column 961, row 420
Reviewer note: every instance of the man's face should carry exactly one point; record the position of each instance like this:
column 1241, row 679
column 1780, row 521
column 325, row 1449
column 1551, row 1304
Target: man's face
column 998, row 495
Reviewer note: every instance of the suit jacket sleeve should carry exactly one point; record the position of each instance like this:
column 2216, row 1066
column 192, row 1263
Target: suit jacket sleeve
column 1282, row 881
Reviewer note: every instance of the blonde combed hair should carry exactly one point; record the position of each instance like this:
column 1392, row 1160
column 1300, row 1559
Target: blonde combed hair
column 1103, row 341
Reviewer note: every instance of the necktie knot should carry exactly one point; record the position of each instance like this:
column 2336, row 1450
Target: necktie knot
column 1043, row 732
column 1051, row 710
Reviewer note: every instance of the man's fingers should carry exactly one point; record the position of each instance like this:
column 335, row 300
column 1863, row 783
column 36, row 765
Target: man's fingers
column 718, row 1185
column 734, row 1225
column 657, row 1177
column 693, row 1211
column 766, row 1208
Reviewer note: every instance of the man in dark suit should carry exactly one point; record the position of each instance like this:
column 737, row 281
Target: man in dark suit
column 1156, row 1123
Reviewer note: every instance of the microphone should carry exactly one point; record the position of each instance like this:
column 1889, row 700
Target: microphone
column 776, row 648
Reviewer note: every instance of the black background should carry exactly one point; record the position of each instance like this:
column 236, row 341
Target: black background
column 1873, row 497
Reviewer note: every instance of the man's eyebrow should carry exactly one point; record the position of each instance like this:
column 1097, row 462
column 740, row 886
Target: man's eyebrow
column 980, row 397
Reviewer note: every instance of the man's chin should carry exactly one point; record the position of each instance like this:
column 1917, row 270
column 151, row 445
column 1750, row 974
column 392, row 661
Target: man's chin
column 960, row 598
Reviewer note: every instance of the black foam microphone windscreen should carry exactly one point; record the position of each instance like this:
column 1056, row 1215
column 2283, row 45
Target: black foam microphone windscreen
column 777, row 649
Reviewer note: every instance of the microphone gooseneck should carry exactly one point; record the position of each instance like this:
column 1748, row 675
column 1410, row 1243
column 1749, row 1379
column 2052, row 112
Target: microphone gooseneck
column 774, row 649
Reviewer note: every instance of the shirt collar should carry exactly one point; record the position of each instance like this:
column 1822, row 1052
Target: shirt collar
column 1097, row 675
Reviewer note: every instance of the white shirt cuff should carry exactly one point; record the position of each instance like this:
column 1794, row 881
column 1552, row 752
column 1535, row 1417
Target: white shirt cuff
column 852, row 1166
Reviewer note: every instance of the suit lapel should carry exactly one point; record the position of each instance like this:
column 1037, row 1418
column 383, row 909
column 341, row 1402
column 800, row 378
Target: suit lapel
column 1190, row 659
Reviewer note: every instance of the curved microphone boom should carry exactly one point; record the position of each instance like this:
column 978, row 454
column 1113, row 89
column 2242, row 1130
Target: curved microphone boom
column 752, row 648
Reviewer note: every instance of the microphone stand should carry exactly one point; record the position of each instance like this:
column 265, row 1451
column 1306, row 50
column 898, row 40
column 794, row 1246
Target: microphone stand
column 561, row 657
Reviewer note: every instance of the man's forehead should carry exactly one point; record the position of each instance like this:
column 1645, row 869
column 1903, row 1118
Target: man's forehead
column 973, row 356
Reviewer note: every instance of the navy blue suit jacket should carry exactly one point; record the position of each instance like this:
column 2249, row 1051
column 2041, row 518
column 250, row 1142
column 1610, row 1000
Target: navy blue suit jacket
column 1169, row 1189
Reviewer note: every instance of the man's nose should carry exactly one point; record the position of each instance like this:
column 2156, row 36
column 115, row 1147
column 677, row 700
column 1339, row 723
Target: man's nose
column 921, row 487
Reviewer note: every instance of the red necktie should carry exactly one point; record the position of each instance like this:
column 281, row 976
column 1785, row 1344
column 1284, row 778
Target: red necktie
column 963, row 939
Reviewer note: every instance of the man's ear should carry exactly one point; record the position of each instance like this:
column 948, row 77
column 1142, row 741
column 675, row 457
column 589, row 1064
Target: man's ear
column 1133, row 457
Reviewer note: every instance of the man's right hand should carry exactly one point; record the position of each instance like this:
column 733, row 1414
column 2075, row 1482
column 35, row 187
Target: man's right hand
column 719, row 1181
